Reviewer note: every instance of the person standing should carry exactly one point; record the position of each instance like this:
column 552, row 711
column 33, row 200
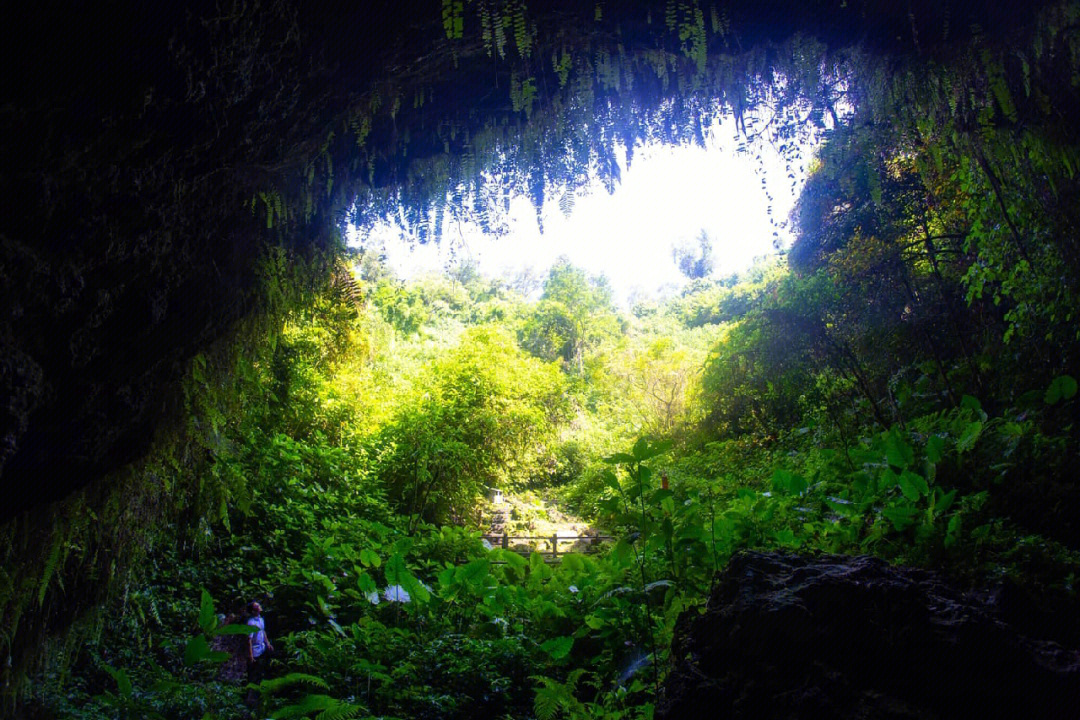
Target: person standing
column 258, row 644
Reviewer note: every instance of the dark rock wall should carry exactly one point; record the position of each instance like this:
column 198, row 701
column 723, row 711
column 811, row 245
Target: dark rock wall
column 786, row 636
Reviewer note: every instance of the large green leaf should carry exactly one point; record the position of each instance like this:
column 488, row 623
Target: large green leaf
column 123, row 682
column 845, row 508
column 558, row 647
column 623, row 552
column 475, row 572
column 788, row 482
column 942, row 500
column 207, row 618
column 935, row 448
column 913, row 485
column 446, row 579
column 366, row 583
column 337, row 628
column 511, row 558
column 1063, row 387
column 660, row 496
column 644, row 449
column 897, row 450
column 398, row 574
column 969, row 436
column 644, row 475
column 901, row 517
column 396, row 571
column 952, row 533
column 971, row 403
column 197, row 650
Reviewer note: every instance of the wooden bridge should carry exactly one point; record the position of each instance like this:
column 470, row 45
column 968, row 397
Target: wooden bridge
column 548, row 546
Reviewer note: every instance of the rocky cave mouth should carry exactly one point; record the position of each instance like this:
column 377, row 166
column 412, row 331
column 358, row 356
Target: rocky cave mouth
column 184, row 317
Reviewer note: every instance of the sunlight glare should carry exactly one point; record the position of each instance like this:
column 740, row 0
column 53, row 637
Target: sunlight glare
column 666, row 198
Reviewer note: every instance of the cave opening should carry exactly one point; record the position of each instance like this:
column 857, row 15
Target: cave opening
column 226, row 376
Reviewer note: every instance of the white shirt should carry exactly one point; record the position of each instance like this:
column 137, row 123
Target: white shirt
column 258, row 640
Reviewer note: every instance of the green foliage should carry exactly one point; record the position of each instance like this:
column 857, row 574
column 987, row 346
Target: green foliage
column 124, row 702
column 823, row 405
column 695, row 265
column 376, row 612
column 1063, row 387
column 554, row 697
column 558, row 648
column 573, row 316
column 486, row 407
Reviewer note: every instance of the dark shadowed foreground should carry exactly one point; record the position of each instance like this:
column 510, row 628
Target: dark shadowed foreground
column 836, row 636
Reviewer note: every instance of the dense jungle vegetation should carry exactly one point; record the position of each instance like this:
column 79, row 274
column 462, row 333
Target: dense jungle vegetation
column 210, row 399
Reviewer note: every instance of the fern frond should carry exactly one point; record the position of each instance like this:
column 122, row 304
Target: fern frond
column 572, row 680
column 555, row 696
column 546, row 704
column 344, row 711
column 50, row 565
column 306, row 706
column 268, row 687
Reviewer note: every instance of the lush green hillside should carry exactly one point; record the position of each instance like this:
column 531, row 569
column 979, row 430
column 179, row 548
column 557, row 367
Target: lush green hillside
column 688, row 428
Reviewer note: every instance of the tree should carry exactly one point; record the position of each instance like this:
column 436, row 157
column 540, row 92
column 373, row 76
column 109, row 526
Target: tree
column 660, row 377
column 697, row 263
column 574, row 314
column 525, row 281
column 465, row 271
column 484, row 410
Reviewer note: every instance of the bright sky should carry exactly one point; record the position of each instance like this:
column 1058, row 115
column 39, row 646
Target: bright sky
column 667, row 197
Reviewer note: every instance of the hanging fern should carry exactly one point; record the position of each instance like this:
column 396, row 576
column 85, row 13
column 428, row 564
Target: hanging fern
column 51, row 564
column 453, row 14
column 485, row 29
column 522, row 36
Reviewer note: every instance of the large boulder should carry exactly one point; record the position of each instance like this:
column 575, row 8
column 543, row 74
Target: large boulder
column 785, row 636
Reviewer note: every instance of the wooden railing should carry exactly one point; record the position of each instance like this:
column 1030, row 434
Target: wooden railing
column 591, row 543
